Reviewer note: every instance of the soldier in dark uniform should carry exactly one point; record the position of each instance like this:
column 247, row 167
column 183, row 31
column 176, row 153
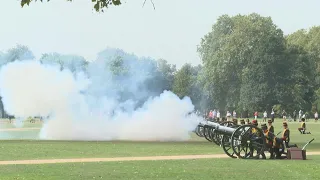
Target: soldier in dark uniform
column 253, row 131
column 270, row 141
column 284, row 139
column 235, row 121
column 270, row 126
column 285, row 134
column 242, row 122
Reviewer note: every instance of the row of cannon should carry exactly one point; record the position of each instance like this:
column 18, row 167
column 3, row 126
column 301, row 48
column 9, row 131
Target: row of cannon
column 237, row 141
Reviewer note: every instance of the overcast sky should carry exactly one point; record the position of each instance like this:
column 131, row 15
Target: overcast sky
column 172, row 31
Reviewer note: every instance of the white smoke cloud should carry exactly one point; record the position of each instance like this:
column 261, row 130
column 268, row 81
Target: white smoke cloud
column 80, row 111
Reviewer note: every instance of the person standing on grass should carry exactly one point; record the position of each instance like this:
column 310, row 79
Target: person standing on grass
column 255, row 115
column 272, row 115
column 294, row 115
column 316, row 116
column 214, row 114
column 228, row 116
column 265, row 115
column 210, row 115
column 234, row 114
column 300, row 115
column 284, row 115
column 218, row 115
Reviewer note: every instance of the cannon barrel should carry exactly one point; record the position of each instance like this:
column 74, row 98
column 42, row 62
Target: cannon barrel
column 220, row 128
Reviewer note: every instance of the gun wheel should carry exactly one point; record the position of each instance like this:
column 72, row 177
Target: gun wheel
column 226, row 146
column 199, row 131
column 248, row 142
column 207, row 133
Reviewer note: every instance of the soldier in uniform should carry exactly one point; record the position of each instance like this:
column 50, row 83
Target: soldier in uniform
column 235, row 121
column 270, row 141
column 285, row 134
column 253, row 131
column 242, row 122
column 302, row 129
column 270, row 126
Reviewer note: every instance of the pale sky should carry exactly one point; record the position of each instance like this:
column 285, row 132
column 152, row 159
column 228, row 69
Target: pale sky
column 172, row 31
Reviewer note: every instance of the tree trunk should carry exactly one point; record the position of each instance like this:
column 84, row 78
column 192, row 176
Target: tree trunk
column 1, row 108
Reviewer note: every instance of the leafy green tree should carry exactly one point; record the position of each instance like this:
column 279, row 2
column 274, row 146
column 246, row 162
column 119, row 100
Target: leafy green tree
column 166, row 73
column 187, row 83
column 183, row 81
column 306, row 71
column 242, row 60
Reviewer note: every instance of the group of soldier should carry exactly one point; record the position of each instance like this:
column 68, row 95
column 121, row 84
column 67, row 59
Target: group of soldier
column 275, row 145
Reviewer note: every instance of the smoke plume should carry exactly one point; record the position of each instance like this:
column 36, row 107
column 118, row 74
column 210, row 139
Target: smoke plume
column 110, row 100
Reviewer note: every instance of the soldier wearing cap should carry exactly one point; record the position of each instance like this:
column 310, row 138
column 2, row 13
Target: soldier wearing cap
column 303, row 127
column 242, row 122
column 270, row 141
column 286, row 134
column 254, row 122
column 254, row 131
column 270, row 126
column 235, row 121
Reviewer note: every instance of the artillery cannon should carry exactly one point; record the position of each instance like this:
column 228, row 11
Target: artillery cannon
column 245, row 142
column 206, row 131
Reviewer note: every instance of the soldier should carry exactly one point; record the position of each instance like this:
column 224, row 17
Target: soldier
column 270, row 126
column 303, row 128
column 254, row 122
column 286, row 134
column 270, row 141
column 242, row 122
column 253, row 132
column 235, row 121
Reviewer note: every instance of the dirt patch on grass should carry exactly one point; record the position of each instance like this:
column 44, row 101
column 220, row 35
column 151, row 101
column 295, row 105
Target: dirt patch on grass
column 148, row 158
column 18, row 129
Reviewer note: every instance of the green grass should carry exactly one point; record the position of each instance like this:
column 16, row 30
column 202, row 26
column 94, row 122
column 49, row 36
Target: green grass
column 173, row 169
column 18, row 150
column 170, row 169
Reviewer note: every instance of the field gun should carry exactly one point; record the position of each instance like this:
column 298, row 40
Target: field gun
column 245, row 142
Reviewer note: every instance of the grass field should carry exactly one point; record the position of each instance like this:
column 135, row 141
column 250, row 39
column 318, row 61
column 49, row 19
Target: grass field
column 13, row 148
column 170, row 169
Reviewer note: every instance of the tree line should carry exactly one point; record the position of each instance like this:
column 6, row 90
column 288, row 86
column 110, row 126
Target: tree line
column 248, row 65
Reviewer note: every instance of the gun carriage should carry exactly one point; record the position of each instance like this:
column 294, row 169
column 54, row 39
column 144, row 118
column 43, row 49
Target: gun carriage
column 246, row 141
column 242, row 141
